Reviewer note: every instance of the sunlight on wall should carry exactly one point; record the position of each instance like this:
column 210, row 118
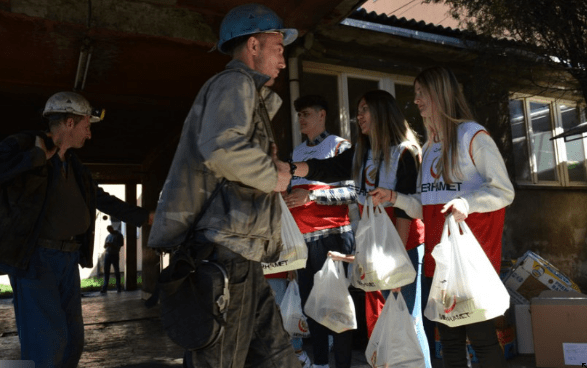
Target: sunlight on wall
column 101, row 233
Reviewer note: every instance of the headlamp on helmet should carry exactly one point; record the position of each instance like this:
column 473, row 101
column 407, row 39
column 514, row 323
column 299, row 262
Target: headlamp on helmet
column 72, row 103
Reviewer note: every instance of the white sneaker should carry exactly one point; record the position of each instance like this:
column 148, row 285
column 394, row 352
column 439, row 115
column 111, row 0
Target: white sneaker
column 305, row 360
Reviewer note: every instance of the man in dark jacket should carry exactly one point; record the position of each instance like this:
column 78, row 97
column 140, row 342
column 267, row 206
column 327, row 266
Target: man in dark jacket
column 114, row 241
column 48, row 206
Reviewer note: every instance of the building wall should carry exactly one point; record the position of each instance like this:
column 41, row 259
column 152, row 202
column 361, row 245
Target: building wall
column 553, row 224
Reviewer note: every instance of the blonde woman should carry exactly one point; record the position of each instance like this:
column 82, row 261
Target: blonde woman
column 462, row 173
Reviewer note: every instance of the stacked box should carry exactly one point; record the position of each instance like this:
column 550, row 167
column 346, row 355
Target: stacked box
column 531, row 275
column 559, row 324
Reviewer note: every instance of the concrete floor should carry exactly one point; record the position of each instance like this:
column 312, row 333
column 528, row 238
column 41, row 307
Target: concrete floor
column 121, row 332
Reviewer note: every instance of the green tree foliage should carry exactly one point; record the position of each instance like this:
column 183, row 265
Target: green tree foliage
column 555, row 29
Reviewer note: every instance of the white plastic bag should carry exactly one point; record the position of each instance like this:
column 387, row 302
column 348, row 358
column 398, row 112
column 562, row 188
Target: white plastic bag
column 295, row 251
column 381, row 260
column 294, row 320
column 330, row 302
column 465, row 288
column 394, row 342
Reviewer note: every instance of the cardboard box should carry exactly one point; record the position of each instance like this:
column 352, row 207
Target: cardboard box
column 559, row 328
column 523, row 318
column 532, row 275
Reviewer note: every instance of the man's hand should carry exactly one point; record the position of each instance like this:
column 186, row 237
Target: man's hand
column 283, row 174
column 458, row 207
column 40, row 142
column 297, row 197
column 151, row 218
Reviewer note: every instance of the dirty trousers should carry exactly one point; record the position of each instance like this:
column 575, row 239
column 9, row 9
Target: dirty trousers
column 254, row 335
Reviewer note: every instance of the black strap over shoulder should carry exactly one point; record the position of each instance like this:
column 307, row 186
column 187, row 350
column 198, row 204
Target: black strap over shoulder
column 200, row 255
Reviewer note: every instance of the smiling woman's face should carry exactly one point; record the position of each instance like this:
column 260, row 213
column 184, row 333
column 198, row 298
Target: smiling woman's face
column 423, row 101
column 364, row 117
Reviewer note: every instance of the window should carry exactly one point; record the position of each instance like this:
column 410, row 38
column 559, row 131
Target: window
column 342, row 87
column 540, row 160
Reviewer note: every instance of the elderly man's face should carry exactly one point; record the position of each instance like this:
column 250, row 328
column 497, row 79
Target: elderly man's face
column 78, row 133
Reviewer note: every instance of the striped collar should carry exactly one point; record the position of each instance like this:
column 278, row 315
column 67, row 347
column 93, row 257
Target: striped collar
column 319, row 139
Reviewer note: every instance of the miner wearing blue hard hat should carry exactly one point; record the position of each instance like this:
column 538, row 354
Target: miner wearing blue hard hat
column 227, row 144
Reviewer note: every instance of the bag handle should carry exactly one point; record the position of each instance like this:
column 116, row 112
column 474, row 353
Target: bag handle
column 447, row 228
column 192, row 229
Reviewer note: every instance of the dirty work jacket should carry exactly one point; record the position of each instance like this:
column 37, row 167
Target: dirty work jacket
column 225, row 135
column 25, row 179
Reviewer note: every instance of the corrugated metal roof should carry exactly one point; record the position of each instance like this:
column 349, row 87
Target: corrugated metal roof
column 412, row 24
column 421, row 30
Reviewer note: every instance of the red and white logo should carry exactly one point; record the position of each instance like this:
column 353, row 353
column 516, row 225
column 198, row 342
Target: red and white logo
column 432, row 167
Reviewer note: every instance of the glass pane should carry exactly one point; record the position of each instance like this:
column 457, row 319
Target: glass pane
column 326, row 86
column 357, row 88
column 519, row 140
column 404, row 95
column 575, row 148
column 542, row 146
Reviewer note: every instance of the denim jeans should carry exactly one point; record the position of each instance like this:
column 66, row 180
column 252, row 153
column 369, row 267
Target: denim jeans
column 48, row 310
column 114, row 260
column 317, row 254
column 254, row 335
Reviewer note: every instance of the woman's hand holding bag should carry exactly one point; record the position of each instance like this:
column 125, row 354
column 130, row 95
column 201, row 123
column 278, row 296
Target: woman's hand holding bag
column 381, row 260
column 330, row 302
column 466, row 288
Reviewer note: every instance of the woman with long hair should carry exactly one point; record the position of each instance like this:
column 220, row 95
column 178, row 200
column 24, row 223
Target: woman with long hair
column 462, row 173
column 387, row 154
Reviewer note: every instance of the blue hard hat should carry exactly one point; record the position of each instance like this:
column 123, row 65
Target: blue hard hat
column 249, row 19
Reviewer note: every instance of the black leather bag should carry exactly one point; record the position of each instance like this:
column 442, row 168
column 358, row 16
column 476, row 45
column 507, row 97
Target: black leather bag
column 194, row 299
column 193, row 293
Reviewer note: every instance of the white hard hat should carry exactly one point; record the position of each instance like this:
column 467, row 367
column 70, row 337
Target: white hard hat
column 71, row 103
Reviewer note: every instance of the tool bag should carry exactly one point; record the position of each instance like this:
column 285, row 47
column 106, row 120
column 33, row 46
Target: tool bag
column 193, row 292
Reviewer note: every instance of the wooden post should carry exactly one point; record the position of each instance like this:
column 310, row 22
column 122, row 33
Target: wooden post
column 130, row 263
column 151, row 260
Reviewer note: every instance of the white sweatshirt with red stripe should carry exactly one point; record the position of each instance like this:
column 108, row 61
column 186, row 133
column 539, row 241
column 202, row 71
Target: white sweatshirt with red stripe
column 318, row 220
column 485, row 187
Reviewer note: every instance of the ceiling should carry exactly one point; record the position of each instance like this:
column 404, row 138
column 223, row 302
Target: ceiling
column 148, row 60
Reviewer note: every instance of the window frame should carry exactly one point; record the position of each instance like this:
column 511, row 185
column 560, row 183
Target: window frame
column 559, row 144
column 385, row 81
